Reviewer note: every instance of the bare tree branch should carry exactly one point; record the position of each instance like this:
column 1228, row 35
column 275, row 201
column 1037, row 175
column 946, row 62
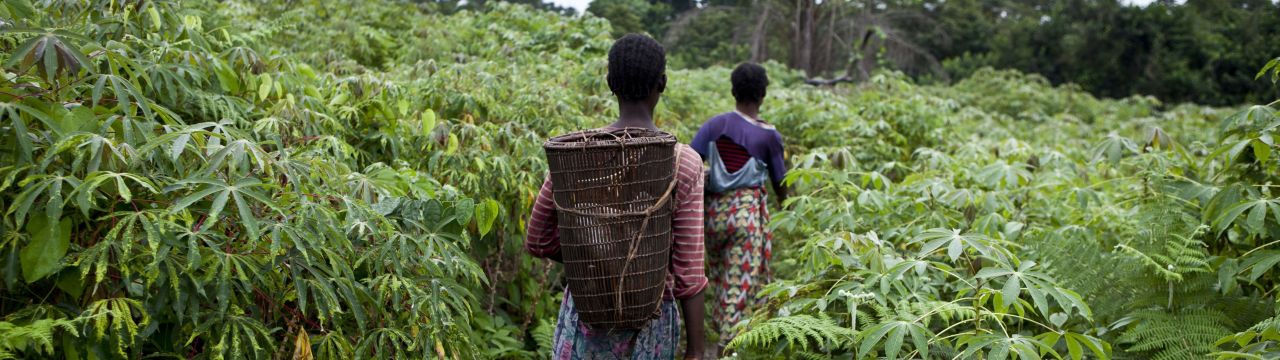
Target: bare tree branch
column 759, row 47
column 677, row 27
column 825, row 82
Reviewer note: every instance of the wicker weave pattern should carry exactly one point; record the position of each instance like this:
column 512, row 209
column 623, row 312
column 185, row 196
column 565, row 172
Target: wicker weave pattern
column 614, row 193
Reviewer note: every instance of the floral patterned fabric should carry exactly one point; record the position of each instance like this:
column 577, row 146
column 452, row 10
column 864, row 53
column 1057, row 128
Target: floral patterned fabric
column 658, row 340
column 738, row 251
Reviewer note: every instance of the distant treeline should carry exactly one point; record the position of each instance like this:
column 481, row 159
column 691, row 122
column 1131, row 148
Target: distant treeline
column 1203, row 51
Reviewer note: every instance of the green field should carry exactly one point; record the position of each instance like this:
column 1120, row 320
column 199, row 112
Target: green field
column 332, row 179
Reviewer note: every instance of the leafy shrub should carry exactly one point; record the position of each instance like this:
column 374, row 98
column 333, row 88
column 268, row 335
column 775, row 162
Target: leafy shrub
column 239, row 179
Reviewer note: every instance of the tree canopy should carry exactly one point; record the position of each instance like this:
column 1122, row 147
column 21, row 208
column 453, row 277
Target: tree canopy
column 1203, row 51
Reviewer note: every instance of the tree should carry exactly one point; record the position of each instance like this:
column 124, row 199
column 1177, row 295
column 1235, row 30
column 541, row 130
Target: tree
column 633, row 16
column 1198, row 51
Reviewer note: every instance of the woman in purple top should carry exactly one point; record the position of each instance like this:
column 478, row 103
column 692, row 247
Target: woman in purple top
column 742, row 152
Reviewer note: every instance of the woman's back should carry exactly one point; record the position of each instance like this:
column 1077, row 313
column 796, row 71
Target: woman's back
column 737, row 140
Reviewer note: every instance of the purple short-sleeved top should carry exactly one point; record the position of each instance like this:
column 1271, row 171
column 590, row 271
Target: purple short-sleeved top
column 762, row 141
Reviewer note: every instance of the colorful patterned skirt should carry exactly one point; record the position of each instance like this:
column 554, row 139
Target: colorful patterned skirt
column 738, row 251
column 658, row 340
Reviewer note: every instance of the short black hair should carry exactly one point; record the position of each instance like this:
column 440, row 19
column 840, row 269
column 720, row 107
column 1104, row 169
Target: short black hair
column 637, row 66
column 749, row 82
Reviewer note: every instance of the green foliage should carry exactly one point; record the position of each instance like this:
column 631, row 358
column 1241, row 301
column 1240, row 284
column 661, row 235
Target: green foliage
column 799, row 332
column 633, row 16
column 1274, row 67
column 176, row 188
column 37, row 336
column 44, row 252
column 697, row 38
column 1166, row 46
column 1187, row 334
column 1205, row 51
column 1036, row 227
column 238, row 179
column 1257, row 342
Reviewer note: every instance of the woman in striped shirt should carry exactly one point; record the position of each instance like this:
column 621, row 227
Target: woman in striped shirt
column 742, row 152
column 637, row 67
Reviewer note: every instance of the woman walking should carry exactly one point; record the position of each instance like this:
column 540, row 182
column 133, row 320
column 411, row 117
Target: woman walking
column 742, row 152
column 637, row 77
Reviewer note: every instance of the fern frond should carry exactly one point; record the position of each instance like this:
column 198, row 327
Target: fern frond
column 544, row 335
column 801, row 332
column 946, row 311
column 1186, row 334
column 38, row 336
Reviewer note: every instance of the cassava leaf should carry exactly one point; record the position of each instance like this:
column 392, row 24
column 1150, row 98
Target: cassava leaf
column 486, row 213
column 48, row 244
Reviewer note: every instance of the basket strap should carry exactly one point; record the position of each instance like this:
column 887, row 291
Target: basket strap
column 644, row 224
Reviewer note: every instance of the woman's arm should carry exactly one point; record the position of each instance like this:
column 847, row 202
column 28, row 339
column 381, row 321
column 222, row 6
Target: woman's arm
column 781, row 191
column 778, row 167
column 694, row 317
column 687, row 252
column 542, row 236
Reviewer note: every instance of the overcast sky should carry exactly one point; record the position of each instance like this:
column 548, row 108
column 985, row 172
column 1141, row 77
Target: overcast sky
column 581, row 5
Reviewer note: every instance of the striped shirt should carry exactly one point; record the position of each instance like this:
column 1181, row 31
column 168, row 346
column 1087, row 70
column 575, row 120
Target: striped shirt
column 733, row 155
column 685, row 276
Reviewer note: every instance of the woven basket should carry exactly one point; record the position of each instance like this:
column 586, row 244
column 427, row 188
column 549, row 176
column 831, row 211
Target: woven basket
column 614, row 193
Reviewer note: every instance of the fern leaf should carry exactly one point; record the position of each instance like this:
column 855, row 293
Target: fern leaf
column 800, row 332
